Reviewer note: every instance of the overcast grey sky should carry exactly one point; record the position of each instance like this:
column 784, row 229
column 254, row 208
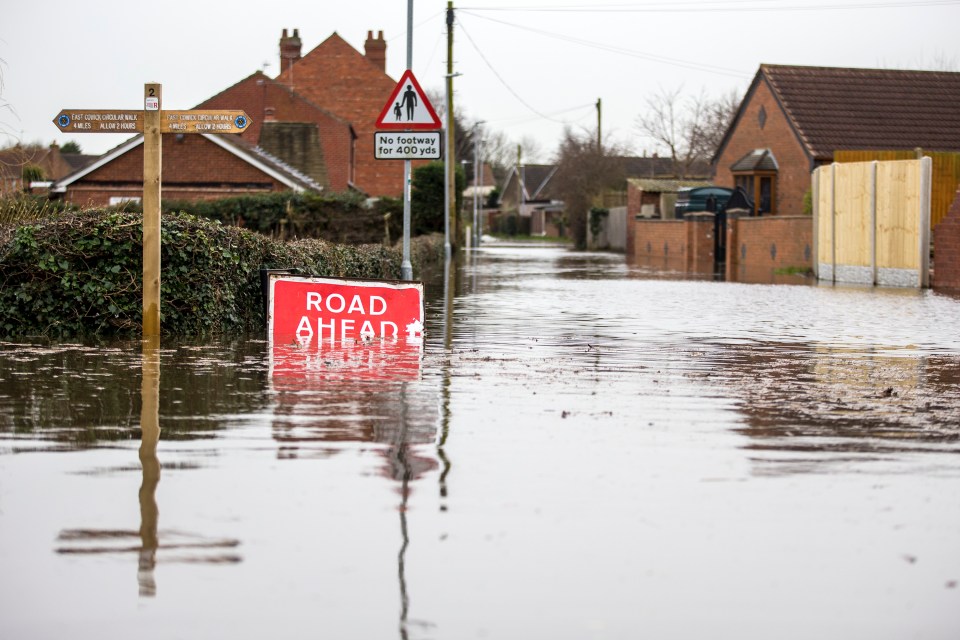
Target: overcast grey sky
column 529, row 67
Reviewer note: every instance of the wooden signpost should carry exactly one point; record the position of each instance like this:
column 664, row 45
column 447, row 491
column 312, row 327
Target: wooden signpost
column 152, row 122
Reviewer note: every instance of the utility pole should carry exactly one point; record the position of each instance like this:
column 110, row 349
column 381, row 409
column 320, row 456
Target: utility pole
column 452, row 216
column 599, row 137
column 476, row 187
column 519, row 186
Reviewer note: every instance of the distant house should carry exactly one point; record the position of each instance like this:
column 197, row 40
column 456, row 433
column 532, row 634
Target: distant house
column 793, row 119
column 194, row 167
column 50, row 162
column 531, row 193
column 486, row 184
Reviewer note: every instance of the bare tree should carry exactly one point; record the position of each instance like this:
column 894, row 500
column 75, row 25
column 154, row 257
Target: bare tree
column 5, row 106
column 691, row 128
column 583, row 172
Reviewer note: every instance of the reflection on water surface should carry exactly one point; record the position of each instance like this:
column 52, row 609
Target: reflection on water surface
column 581, row 448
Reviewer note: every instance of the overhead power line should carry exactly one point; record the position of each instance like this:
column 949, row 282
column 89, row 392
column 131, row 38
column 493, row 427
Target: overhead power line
column 652, row 57
column 504, row 82
column 719, row 6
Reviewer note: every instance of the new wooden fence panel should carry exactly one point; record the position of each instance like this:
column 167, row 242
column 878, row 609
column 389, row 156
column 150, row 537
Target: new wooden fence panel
column 872, row 222
column 853, row 222
column 945, row 178
column 898, row 221
column 823, row 221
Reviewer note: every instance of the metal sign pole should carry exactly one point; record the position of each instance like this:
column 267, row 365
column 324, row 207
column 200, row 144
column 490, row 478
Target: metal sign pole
column 406, row 267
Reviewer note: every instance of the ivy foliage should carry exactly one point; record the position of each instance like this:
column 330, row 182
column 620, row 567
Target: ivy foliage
column 344, row 218
column 80, row 273
column 427, row 197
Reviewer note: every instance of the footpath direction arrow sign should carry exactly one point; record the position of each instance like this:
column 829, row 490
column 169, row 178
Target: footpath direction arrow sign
column 99, row 121
column 408, row 108
column 123, row 121
column 203, row 121
column 406, row 145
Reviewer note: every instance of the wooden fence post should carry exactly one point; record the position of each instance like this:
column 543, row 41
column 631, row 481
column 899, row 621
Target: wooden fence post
column 815, row 197
column 873, row 223
column 926, row 188
column 833, row 222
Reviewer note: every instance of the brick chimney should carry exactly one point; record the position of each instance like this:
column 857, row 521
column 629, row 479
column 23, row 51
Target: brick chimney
column 376, row 50
column 289, row 49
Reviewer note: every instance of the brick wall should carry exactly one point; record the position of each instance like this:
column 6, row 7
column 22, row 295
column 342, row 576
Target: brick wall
column 793, row 178
column 768, row 243
column 662, row 239
column 946, row 249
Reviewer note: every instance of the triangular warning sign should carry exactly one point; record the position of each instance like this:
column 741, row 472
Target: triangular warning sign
column 408, row 107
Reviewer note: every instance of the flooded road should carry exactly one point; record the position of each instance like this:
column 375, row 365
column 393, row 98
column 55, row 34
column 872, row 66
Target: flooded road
column 582, row 449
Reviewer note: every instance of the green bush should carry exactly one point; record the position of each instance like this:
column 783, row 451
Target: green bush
column 80, row 274
column 427, row 197
column 343, row 218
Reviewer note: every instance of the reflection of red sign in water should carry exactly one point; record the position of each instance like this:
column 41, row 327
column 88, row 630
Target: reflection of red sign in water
column 316, row 310
column 296, row 366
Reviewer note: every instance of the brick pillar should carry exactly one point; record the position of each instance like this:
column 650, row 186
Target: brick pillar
column 946, row 249
column 733, row 244
column 700, row 246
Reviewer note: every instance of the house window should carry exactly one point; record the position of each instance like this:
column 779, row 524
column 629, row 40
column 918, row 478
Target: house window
column 352, row 169
column 118, row 200
column 756, row 173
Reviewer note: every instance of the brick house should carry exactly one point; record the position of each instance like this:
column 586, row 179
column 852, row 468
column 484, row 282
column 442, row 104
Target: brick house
column 312, row 128
column 293, row 129
column 792, row 119
column 531, row 193
column 51, row 161
column 194, row 167
column 352, row 86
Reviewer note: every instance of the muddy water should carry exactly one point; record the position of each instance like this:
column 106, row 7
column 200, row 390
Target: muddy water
column 581, row 449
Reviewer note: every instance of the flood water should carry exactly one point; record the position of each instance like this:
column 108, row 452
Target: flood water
column 583, row 449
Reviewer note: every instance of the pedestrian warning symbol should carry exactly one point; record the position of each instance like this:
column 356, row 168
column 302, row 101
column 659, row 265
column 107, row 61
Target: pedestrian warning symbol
column 408, row 108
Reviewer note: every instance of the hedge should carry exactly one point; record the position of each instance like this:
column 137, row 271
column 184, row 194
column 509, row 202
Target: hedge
column 80, row 273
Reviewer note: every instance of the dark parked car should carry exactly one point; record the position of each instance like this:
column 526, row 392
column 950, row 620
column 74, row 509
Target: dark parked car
column 702, row 199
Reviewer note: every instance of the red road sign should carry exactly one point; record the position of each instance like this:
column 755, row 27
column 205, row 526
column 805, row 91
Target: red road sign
column 309, row 310
column 408, row 108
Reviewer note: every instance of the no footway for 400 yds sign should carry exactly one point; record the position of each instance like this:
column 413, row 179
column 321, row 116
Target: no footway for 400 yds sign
column 419, row 145
column 411, row 121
